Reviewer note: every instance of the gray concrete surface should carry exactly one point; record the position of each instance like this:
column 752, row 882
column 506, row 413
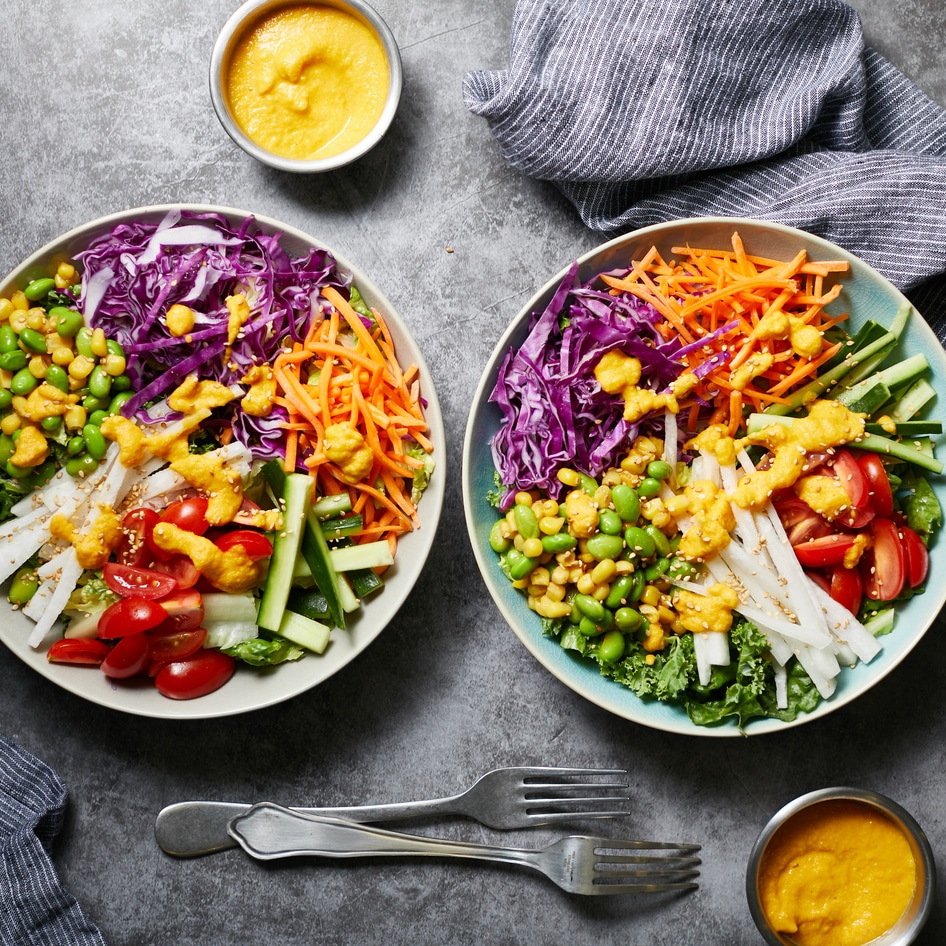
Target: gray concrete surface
column 105, row 106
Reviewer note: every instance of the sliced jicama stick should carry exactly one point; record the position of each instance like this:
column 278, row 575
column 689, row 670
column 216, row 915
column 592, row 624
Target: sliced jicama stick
column 780, row 674
column 712, row 650
column 63, row 586
column 845, row 628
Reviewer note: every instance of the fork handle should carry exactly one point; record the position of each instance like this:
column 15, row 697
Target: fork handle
column 268, row 831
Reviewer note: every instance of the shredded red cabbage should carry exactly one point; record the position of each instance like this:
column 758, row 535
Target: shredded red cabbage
column 554, row 413
column 133, row 274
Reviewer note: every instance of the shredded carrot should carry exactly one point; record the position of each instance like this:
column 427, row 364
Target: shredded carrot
column 700, row 292
column 346, row 372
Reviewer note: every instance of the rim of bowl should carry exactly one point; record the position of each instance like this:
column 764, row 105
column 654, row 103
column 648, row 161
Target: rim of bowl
column 907, row 928
column 233, row 31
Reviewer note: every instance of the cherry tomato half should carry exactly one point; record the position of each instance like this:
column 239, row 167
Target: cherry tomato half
column 881, row 496
column 165, row 646
column 78, row 650
column 132, row 581
column 917, row 555
column 254, row 543
column 130, row 616
column 825, row 550
column 855, row 484
column 197, row 675
column 127, row 658
column 181, row 569
column 133, row 548
column 183, row 611
column 188, row 514
column 847, row 588
column 883, row 567
column 801, row 522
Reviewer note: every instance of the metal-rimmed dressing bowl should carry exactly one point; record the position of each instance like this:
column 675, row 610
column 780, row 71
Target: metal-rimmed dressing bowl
column 245, row 19
column 907, row 928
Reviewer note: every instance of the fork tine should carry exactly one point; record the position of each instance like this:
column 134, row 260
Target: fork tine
column 627, row 844
column 650, row 864
column 598, row 888
column 562, row 787
column 554, row 771
column 551, row 817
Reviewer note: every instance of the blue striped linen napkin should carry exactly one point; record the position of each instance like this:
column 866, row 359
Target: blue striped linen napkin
column 641, row 112
column 34, row 906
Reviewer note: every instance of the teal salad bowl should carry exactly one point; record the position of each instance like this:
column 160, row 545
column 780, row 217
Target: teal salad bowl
column 866, row 295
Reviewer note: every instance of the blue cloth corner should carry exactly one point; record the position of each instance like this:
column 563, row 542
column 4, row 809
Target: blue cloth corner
column 642, row 112
column 35, row 908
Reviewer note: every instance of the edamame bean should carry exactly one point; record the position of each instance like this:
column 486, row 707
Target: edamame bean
column 609, row 522
column 627, row 619
column 603, row 546
column 39, row 288
column 7, row 446
column 620, row 590
column 51, row 424
column 121, row 383
column 41, row 475
column 587, row 483
column 56, row 376
column 114, row 347
column 23, row 586
column 75, row 446
column 659, row 469
column 8, row 338
column 559, row 542
column 590, row 607
column 681, row 568
column 648, row 487
column 520, row 565
column 497, row 541
column 95, row 441
column 67, row 321
column 100, row 382
column 116, row 404
column 639, row 544
column 13, row 360
column 588, row 627
column 6, row 399
column 96, row 417
column 661, row 542
column 611, row 647
column 92, row 403
column 23, row 382
column 33, row 340
column 526, row 522
column 84, row 342
column 17, row 472
column 626, row 502
column 656, row 569
column 82, row 465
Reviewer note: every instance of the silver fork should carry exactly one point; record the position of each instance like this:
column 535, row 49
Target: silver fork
column 514, row 797
column 583, row 865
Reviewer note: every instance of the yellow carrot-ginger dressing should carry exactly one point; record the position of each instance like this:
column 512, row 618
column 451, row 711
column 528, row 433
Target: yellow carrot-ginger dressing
column 838, row 873
column 308, row 81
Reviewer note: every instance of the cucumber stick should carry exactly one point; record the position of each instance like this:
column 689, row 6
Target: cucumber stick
column 313, row 635
column 296, row 494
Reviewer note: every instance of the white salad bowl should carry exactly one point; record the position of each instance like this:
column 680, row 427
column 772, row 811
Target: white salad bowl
column 249, row 689
column 866, row 295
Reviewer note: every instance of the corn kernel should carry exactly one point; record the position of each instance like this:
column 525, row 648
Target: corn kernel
column 114, row 365
column 555, row 591
column 10, row 423
column 98, row 343
column 585, row 584
column 62, row 356
column 666, row 615
column 650, row 660
column 75, row 417
column 568, row 476
column 601, row 592
column 80, row 367
column 18, row 319
column 6, row 309
column 651, row 596
column 549, row 608
column 559, row 575
column 37, row 365
column 511, row 519
column 522, row 498
column 532, row 548
column 66, row 272
column 20, row 301
column 518, row 541
column 551, row 525
column 521, row 583
column 539, row 576
column 623, row 567
column 604, row 571
column 602, row 497
column 36, row 318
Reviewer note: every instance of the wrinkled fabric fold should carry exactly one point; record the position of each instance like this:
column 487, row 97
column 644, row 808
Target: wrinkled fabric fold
column 35, row 908
column 643, row 112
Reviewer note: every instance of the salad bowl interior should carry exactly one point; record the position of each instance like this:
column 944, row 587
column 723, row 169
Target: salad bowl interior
column 250, row 689
column 865, row 295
